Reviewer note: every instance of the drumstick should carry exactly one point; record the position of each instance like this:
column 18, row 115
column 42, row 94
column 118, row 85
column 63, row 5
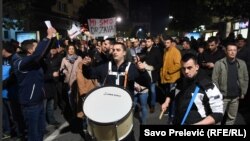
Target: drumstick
column 161, row 114
column 125, row 79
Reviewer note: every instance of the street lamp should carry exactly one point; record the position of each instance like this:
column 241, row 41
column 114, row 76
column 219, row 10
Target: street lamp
column 118, row 19
column 169, row 20
column 139, row 30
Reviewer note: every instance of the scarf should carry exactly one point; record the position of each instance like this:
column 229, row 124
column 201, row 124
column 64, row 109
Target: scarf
column 71, row 58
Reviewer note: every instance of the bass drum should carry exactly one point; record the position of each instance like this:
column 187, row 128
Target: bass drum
column 109, row 113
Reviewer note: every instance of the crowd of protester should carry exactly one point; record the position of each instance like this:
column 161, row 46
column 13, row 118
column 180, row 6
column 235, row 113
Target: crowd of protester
column 48, row 76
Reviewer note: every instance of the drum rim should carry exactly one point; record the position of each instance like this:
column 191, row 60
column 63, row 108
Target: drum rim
column 108, row 123
column 86, row 95
column 112, row 123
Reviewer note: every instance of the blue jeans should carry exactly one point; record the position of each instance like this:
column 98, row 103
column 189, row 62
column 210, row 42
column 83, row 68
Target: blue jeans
column 143, row 97
column 34, row 118
column 6, row 117
column 50, row 110
column 153, row 94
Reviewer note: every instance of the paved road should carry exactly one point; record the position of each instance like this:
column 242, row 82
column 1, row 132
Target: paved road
column 65, row 133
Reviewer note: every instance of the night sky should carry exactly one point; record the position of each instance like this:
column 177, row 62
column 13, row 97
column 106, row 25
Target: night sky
column 160, row 13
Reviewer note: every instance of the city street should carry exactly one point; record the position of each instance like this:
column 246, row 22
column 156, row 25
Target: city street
column 79, row 66
column 63, row 133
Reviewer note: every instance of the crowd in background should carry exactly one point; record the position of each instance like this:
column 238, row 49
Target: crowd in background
column 63, row 62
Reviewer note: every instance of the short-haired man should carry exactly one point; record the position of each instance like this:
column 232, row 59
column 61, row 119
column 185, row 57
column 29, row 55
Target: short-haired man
column 211, row 55
column 231, row 76
column 170, row 71
column 30, row 79
column 207, row 107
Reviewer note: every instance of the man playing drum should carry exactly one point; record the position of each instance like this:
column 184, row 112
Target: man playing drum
column 118, row 72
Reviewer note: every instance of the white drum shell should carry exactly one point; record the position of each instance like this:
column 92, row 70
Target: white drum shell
column 109, row 110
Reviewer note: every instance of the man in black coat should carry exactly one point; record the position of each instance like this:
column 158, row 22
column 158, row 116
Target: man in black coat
column 153, row 63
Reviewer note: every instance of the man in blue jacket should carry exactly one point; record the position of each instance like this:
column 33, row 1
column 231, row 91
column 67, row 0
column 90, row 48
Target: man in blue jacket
column 30, row 77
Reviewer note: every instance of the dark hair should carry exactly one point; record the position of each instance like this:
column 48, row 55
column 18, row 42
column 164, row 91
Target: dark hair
column 186, row 40
column 15, row 43
column 189, row 56
column 136, row 38
column 111, row 41
column 230, row 44
column 150, row 38
column 142, row 41
column 202, row 45
column 27, row 44
column 169, row 38
column 123, row 46
column 9, row 47
column 240, row 38
column 142, row 56
column 71, row 44
column 213, row 39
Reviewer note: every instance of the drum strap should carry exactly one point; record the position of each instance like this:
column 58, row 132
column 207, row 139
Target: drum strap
column 117, row 74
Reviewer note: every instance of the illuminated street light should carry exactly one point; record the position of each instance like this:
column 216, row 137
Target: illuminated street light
column 170, row 17
column 118, row 19
column 139, row 30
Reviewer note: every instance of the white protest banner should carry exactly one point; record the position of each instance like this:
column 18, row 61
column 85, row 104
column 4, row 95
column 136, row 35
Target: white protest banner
column 102, row 27
column 74, row 31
